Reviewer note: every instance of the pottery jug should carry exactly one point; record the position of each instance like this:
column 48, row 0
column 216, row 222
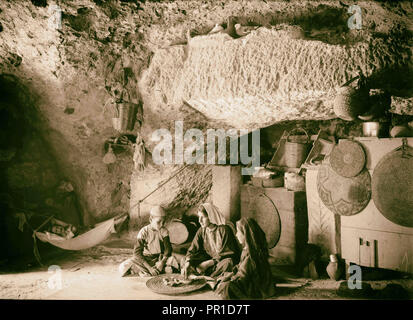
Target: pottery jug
column 333, row 269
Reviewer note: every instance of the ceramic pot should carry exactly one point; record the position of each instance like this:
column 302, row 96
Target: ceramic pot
column 334, row 270
column 294, row 182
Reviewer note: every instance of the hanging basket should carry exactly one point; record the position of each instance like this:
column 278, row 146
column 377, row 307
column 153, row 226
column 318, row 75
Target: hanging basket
column 126, row 112
column 350, row 102
column 296, row 150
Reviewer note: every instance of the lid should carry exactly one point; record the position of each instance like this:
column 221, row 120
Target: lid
column 348, row 158
column 343, row 196
column 392, row 186
column 266, row 214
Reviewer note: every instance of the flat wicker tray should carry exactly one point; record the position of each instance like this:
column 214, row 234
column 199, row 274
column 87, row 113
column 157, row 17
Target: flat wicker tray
column 156, row 285
column 343, row 196
column 392, row 185
column 348, row 158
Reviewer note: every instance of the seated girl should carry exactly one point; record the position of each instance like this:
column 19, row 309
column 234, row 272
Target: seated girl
column 251, row 278
column 214, row 249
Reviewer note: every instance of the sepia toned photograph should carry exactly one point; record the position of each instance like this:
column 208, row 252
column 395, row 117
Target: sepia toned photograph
column 206, row 150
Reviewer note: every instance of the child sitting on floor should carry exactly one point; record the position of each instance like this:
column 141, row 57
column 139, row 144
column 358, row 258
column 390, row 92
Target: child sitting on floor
column 153, row 251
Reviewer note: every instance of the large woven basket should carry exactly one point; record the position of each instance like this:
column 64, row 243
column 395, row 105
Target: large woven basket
column 349, row 103
column 157, row 285
column 296, row 150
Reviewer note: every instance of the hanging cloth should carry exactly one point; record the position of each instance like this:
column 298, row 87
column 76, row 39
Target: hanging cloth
column 84, row 241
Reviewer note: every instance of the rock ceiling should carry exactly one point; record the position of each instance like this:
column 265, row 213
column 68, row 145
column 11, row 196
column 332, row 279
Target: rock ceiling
column 265, row 77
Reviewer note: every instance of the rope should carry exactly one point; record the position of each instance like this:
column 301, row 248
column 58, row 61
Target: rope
column 35, row 248
column 157, row 188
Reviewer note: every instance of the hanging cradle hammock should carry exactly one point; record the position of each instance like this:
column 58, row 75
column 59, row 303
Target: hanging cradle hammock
column 99, row 233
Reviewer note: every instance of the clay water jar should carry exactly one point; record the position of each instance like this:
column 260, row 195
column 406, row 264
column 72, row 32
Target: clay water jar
column 334, row 270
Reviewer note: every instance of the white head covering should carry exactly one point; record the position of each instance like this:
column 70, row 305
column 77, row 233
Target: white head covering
column 216, row 217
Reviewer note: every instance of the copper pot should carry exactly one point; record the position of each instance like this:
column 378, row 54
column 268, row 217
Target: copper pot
column 371, row 129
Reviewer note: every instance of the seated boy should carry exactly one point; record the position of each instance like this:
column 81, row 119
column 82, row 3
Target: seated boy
column 153, row 251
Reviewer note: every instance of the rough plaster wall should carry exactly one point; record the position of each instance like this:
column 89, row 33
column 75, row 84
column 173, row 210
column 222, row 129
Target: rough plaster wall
column 190, row 187
column 50, row 63
column 78, row 67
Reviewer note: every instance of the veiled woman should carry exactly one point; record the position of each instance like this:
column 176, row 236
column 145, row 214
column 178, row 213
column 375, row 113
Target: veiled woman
column 251, row 278
column 214, row 249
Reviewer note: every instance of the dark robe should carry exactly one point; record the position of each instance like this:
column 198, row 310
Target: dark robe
column 217, row 243
column 252, row 277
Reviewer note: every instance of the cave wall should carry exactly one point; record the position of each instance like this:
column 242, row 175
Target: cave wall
column 31, row 180
column 79, row 68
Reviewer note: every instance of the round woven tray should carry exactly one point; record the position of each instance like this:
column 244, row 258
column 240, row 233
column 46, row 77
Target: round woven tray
column 266, row 214
column 392, row 185
column 343, row 196
column 348, row 158
column 156, row 285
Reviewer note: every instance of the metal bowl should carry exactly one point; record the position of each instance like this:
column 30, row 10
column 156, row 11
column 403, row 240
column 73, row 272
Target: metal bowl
column 371, row 129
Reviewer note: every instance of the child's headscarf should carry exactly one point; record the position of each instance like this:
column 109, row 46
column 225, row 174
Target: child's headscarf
column 255, row 240
column 216, row 217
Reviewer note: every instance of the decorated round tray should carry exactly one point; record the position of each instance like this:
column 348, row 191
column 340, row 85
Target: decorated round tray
column 266, row 214
column 347, row 158
column 343, row 196
column 392, row 186
column 172, row 284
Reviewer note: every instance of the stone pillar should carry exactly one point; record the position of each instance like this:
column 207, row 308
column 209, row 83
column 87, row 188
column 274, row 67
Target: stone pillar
column 226, row 183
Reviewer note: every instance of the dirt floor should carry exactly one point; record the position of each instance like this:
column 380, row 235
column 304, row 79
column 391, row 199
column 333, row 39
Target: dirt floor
column 93, row 274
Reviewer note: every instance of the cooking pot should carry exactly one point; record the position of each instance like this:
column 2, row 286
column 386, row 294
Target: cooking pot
column 376, row 129
column 294, row 182
column 371, row 129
